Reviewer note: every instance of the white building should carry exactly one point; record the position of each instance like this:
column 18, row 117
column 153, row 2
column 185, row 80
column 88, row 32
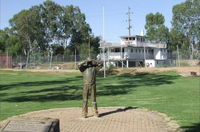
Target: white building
column 133, row 51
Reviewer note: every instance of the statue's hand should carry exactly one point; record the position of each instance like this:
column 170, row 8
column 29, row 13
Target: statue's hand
column 82, row 66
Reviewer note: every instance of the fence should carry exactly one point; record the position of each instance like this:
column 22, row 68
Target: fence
column 38, row 61
column 5, row 61
column 184, row 58
column 49, row 62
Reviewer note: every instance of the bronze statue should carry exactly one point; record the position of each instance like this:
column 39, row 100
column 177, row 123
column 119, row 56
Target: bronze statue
column 89, row 68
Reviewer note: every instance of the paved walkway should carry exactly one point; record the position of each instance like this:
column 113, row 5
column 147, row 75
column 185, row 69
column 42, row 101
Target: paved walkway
column 111, row 120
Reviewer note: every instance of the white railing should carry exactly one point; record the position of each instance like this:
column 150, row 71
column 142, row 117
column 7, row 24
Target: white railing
column 124, row 56
column 144, row 44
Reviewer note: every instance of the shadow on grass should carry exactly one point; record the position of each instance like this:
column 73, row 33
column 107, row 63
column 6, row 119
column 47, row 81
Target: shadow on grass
column 71, row 88
column 128, row 82
column 193, row 128
column 117, row 111
column 38, row 83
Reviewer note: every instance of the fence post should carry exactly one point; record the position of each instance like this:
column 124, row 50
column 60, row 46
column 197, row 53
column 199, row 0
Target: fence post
column 7, row 59
column 75, row 58
column 178, row 56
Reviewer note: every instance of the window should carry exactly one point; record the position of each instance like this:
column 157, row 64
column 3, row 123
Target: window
column 131, row 38
column 117, row 49
column 132, row 50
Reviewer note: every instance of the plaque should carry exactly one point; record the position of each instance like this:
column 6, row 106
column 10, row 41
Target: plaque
column 24, row 125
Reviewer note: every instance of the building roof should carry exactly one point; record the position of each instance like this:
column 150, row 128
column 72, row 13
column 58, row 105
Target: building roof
column 132, row 36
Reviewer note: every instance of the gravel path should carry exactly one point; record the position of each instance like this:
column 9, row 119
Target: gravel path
column 112, row 119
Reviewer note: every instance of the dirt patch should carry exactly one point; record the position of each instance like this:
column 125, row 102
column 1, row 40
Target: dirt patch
column 184, row 71
column 112, row 119
column 46, row 71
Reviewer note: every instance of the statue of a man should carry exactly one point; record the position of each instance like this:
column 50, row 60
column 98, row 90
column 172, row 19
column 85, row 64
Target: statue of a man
column 89, row 68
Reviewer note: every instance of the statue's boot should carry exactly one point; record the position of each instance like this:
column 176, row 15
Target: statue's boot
column 84, row 113
column 95, row 111
column 84, row 109
column 85, row 101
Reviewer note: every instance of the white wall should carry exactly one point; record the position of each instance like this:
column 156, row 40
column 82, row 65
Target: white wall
column 131, row 54
column 130, row 42
column 157, row 54
column 150, row 63
column 160, row 54
column 140, row 53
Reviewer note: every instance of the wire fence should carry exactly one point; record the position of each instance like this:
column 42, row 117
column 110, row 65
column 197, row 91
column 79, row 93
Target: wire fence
column 49, row 62
column 38, row 61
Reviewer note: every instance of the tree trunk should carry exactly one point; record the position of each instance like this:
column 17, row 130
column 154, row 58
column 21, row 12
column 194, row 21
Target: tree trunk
column 27, row 59
column 192, row 50
column 29, row 51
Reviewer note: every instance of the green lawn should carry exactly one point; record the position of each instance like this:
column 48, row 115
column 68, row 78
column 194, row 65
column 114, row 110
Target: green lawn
column 167, row 92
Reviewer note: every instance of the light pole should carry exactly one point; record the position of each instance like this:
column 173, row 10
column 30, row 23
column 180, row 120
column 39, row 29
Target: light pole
column 144, row 55
column 104, row 60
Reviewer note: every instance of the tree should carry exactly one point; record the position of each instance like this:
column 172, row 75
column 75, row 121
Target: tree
column 85, row 51
column 13, row 45
column 9, row 43
column 27, row 26
column 95, row 44
column 51, row 19
column 48, row 25
column 77, row 31
column 76, row 24
column 156, row 31
column 186, row 20
column 178, row 38
column 57, row 49
column 3, row 37
column 64, row 25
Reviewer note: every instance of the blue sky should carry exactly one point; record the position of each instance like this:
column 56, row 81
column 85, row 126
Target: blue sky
column 115, row 13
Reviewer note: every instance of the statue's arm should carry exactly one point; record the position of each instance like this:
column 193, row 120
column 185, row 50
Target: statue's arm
column 82, row 66
column 99, row 65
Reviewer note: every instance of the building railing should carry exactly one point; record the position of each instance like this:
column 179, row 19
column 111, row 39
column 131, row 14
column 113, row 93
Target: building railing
column 144, row 44
column 124, row 56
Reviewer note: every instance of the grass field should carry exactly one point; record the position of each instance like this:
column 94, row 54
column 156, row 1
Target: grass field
column 166, row 92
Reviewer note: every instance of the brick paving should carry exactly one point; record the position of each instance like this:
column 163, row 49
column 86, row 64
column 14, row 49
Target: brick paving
column 112, row 119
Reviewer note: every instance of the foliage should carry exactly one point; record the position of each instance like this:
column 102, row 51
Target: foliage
column 13, row 45
column 186, row 20
column 178, row 39
column 185, row 32
column 85, row 51
column 9, row 43
column 156, row 31
column 46, row 26
column 57, row 49
column 3, row 38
